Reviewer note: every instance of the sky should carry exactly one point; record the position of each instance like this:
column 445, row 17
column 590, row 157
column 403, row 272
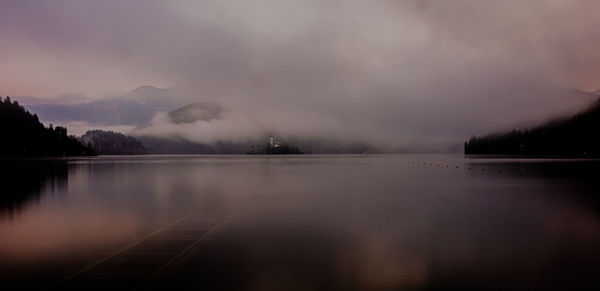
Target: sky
column 392, row 72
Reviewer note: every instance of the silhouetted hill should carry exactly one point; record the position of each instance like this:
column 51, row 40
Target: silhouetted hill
column 112, row 143
column 576, row 136
column 24, row 135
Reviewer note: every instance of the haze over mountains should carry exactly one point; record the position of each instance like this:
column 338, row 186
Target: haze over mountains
column 133, row 108
column 169, row 120
column 417, row 75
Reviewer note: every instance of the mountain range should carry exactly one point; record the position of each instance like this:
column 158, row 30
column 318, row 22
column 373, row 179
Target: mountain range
column 133, row 108
column 138, row 107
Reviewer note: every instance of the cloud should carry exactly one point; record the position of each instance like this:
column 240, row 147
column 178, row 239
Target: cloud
column 391, row 72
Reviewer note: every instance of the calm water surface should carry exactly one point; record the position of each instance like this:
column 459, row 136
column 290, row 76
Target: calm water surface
column 300, row 223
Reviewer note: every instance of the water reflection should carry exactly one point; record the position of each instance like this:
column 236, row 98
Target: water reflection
column 23, row 182
column 310, row 223
column 575, row 180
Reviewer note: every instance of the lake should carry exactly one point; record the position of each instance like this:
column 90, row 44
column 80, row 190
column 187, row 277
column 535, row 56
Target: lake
column 343, row 222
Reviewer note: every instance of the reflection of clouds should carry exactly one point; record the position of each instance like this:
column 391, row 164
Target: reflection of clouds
column 323, row 222
column 56, row 233
column 576, row 224
column 379, row 264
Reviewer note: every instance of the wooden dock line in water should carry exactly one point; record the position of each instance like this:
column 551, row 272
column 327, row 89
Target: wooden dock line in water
column 123, row 249
column 178, row 258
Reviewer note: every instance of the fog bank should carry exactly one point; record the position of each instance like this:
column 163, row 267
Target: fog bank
column 395, row 73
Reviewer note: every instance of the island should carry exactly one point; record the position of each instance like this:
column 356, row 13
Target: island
column 274, row 147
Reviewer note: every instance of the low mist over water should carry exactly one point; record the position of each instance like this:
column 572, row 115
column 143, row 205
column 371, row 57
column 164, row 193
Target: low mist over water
column 300, row 223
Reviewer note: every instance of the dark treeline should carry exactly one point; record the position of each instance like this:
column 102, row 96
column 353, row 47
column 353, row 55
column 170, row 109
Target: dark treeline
column 112, row 143
column 576, row 136
column 23, row 135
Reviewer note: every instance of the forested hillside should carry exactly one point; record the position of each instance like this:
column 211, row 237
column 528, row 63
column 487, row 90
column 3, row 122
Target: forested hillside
column 113, row 143
column 575, row 136
column 23, row 135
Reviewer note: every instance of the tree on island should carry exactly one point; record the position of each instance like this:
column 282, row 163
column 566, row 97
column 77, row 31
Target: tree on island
column 274, row 147
column 23, row 135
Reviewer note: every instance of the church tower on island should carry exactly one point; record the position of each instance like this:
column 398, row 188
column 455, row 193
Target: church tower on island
column 273, row 143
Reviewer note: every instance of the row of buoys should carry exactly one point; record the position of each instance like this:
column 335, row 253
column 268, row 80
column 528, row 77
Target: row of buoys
column 469, row 168
column 430, row 164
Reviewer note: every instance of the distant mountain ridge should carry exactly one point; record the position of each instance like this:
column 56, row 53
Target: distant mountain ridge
column 63, row 99
column 133, row 108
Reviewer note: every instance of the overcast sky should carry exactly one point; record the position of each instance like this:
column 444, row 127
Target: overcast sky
column 396, row 72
